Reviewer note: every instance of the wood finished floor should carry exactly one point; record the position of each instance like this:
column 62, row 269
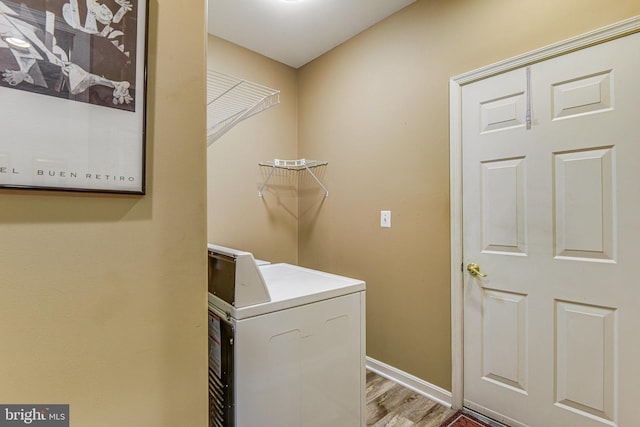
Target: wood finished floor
column 390, row 404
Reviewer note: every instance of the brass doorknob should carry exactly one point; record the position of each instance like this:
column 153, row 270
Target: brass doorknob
column 474, row 270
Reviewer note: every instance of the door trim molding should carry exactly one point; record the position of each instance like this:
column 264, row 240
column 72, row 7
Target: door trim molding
column 601, row 35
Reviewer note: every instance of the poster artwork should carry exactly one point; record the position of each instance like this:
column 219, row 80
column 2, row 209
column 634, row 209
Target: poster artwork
column 81, row 50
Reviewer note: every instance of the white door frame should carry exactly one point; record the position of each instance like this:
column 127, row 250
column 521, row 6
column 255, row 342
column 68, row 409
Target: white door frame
column 610, row 32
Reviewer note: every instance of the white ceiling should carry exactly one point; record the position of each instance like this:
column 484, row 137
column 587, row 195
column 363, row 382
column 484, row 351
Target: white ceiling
column 295, row 32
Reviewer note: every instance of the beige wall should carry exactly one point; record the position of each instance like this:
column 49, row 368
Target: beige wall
column 237, row 217
column 376, row 108
column 103, row 298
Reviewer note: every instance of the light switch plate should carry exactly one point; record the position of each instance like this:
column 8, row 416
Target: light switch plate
column 385, row 219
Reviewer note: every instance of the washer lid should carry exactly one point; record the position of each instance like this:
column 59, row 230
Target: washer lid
column 291, row 286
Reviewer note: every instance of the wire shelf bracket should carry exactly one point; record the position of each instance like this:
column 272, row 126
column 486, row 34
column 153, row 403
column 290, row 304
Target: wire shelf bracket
column 295, row 165
column 231, row 100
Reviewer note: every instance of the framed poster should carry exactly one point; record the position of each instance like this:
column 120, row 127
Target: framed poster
column 72, row 95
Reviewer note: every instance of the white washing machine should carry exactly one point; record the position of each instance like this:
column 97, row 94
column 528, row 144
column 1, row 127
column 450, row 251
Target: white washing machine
column 286, row 344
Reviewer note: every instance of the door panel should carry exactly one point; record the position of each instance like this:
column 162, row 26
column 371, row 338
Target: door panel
column 584, row 197
column 583, row 95
column 585, row 358
column 504, row 356
column 551, row 165
column 503, row 198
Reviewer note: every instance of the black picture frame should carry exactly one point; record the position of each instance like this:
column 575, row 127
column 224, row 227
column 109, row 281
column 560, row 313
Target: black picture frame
column 73, row 90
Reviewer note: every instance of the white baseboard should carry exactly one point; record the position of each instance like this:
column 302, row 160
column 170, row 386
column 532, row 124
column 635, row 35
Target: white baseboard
column 407, row 380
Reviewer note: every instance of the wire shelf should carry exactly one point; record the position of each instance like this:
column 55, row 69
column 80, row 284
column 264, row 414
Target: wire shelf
column 231, row 100
column 295, row 165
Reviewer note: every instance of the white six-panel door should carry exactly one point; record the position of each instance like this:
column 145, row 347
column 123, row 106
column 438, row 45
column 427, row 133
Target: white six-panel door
column 551, row 215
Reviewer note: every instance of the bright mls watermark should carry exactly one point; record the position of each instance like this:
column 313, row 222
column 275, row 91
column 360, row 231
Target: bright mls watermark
column 34, row 415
